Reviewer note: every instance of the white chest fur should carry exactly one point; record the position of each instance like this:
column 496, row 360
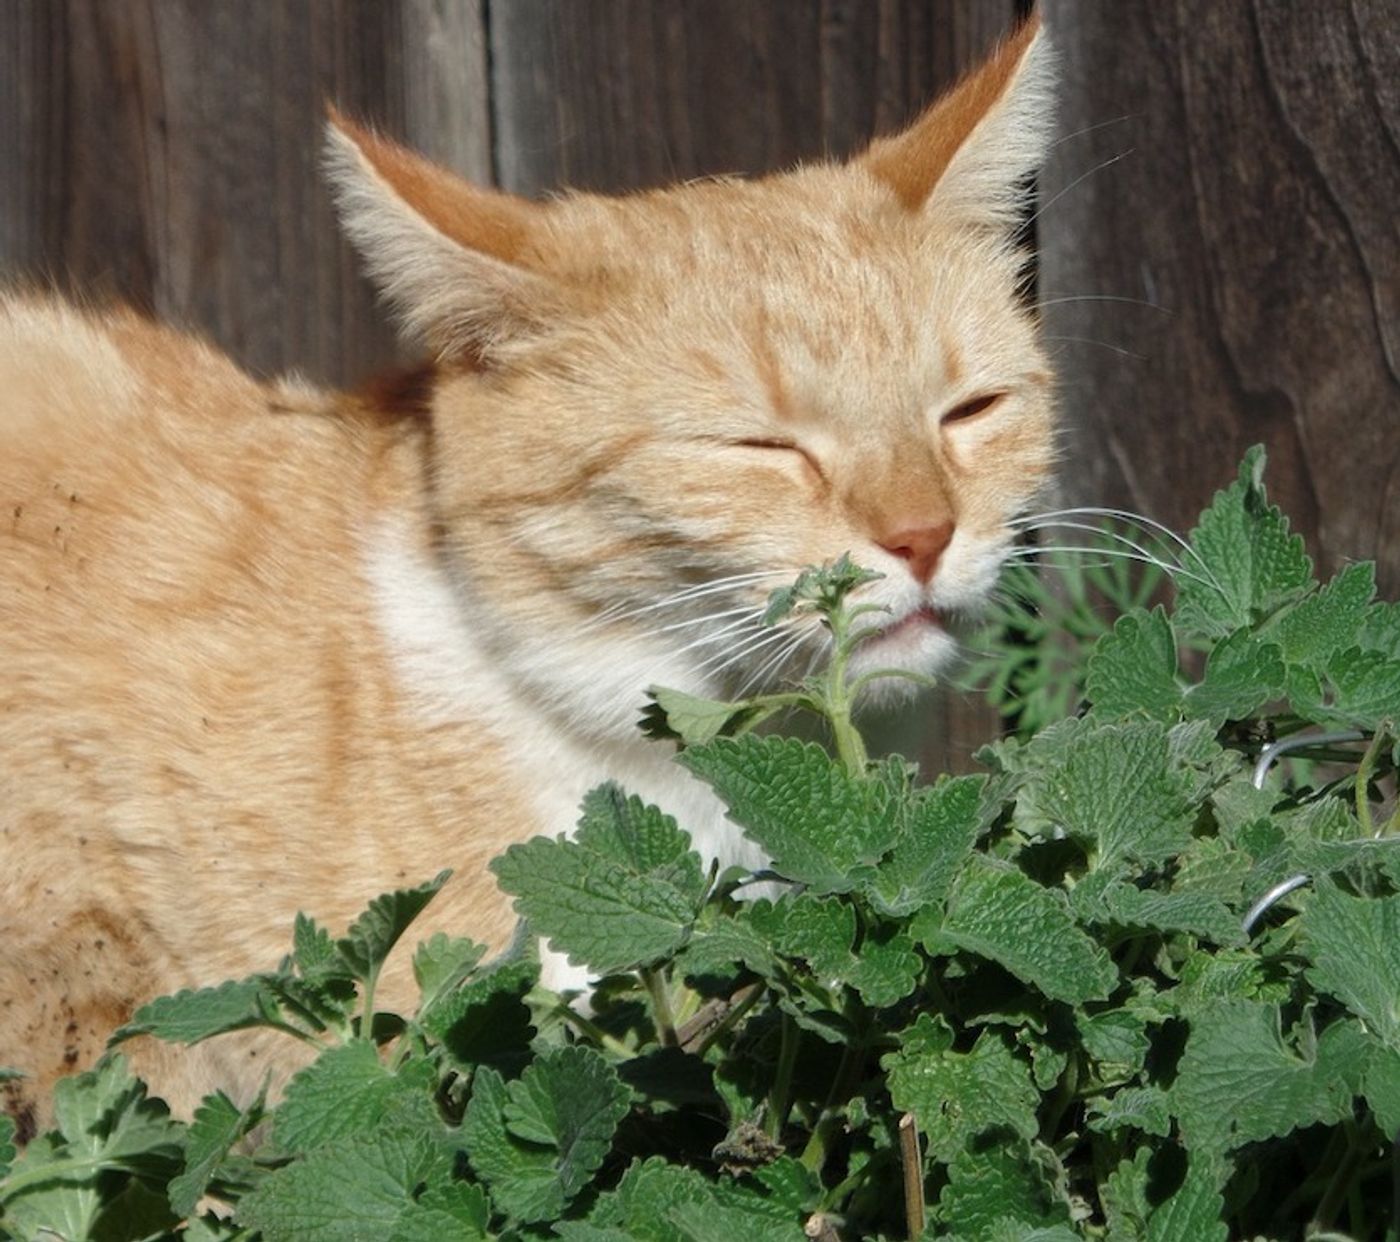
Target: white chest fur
column 450, row 677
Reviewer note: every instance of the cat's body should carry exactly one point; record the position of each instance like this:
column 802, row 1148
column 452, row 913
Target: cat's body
column 268, row 649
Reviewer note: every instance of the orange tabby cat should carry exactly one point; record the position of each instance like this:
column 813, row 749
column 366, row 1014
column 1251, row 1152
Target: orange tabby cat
column 266, row 648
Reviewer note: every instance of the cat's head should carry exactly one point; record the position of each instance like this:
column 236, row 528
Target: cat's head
column 653, row 409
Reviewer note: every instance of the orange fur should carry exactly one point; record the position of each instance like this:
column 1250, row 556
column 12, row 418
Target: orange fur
column 268, row 649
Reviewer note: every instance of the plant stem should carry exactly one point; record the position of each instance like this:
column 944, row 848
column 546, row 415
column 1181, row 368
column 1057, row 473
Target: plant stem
column 660, row 1007
column 780, row 1099
column 912, row 1162
column 1365, row 770
column 596, row 1033
column 1338, row 1186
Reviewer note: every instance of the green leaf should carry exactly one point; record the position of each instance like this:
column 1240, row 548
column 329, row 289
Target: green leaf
column 1194, row 1210
column 957, row 1095
column 1001, row 913
column 1330, row 620
column 370, row 937
column 693, row 720
column 722, row 945
column 1120, row 789
column 591, row 907
column 347, row 1091
column 1003, row 1176
column 193, row 1015
column 1239, row 1081
column 822, row 930
column 1133, row 670
column 820, row 826
column 1113, row 901
column 8, row 1150
column 1246, row 562
column 538, row 1141
column 218, row 1124
column 1116, row 1039
column 440, row 964
column 1137, row 1108
column 1381, row 1087
column 104, row 1121
column 1380, row 630
column 1361, row 691
column 642, row 838
column 1241, row 674
column 457, row 1211
column 354, row 1189
column 939, row 831
column 486, row 1021
column 1354, row 946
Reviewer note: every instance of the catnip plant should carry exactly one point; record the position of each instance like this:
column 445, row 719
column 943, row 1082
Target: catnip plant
column 1126, row 983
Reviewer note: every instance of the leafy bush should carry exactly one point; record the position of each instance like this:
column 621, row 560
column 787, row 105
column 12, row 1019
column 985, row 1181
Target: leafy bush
column 1021, row 1005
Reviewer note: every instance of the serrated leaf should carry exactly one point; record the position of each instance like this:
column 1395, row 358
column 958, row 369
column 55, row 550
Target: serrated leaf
column 346, row 1091
column 1381, row 1087
column 441, row 963
column 313, row 950
column 725, row 944
column 642, row 838
column 217, row 1125
column 1239, row 1082
column 1245, row 563
column 693, row 720
column 1330, row 620
column 1194, row 1210
column 538, row 1140
column 1241, row 674
column 1361, row 691
column 457, row 1211
column 592, row 908
column 104, row 1121
column 196, row 1014
column 957, row 1095
column 820, row 826
column 719, row 1222
column 822, row 930
column 1120, row 789
column 1354, row 946
column 1133, row 670
column 354, row 1189
column 1136, row 1108
column 486, row 1021
column 1380, row 630
column 1195, row 913
column 1116, row 1038
column 640, row 1207
column 940, row 828
column 371, row 937
column 1002, row 914
column 997, row 1178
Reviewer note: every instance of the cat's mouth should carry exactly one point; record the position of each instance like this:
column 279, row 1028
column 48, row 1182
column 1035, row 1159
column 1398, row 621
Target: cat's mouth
column 918, row 622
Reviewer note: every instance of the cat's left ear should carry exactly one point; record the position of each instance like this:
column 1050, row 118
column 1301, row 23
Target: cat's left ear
column 969, row 154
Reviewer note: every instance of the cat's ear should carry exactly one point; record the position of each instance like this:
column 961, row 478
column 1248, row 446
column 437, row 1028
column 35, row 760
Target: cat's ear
column 458, row 263
column 969, row 155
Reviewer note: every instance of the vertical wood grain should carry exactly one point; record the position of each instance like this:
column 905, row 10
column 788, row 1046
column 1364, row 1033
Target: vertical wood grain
column 1249, row 215
column 167, row 152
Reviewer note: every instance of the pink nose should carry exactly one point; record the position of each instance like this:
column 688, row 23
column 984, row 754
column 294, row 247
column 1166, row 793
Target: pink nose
column 922, row 548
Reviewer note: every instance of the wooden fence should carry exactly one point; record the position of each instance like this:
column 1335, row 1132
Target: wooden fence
column 1220, row 245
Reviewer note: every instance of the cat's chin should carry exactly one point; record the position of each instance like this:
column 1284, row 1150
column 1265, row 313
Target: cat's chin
column 916, row 643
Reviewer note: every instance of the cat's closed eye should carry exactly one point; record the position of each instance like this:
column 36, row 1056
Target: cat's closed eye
column 970, row 409
column 777, row 444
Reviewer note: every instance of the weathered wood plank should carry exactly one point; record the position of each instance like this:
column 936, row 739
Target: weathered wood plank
column 1252, row 213
column 168, row 152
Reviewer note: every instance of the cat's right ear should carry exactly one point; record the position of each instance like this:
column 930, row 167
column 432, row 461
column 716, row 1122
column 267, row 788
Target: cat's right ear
column 458, row 263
